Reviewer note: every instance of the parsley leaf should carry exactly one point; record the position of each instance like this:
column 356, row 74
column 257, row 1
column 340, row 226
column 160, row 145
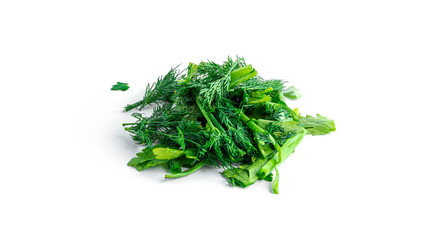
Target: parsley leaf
column 120, row 86
column 317, row 126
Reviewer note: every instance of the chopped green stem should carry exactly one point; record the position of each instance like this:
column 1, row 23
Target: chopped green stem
column 288, row 148
column 188, row 172
column 252, row 125
column 214, row 121
column 242, row 74
column 275, row 187
column 282, row 102
column 264, row 99
column 293, row 114
column 205, row 114
column 267, row 90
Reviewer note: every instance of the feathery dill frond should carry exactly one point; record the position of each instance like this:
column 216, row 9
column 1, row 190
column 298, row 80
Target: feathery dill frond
column 217, row 79
column 258, row 83
column 243, row 139
column 162, row 90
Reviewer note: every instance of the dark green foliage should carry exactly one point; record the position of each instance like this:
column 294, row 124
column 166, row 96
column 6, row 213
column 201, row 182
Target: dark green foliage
column 221, row 115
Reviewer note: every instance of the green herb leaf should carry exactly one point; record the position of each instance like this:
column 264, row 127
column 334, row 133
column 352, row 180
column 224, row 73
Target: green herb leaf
column 292, row 93
column 317, row 126
column 175, row 166
column 167, row 153
column 145, row 159
column 120, row 86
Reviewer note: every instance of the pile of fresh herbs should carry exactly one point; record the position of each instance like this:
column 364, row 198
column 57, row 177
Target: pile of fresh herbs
column 220, row 115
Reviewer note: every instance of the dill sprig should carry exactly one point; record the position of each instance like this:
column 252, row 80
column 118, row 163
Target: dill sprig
column 160, row 91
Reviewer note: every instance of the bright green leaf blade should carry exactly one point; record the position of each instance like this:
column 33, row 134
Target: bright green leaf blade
column 317, row 126
column 167, row 153
column 241, row 72
column 241, row 75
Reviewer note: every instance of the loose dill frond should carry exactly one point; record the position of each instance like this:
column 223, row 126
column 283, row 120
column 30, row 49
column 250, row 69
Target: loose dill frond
column 161, row 91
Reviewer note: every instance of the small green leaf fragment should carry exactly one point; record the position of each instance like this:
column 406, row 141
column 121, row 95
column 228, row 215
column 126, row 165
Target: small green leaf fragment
column 175, row 166
column 120, row 86
column 292, row 93
column 190, row 153
column 269, row 177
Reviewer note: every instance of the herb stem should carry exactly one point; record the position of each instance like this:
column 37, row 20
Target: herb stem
column 275, row 187
column 215, row 122
column 188, row 172
column 252, row 125
column 204, row 113
column 210, row 118
column 264, row 99
column 282, row 102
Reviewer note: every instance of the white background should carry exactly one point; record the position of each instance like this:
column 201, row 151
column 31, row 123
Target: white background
column 63, row 172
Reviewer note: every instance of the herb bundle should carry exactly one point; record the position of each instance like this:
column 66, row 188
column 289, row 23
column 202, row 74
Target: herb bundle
column 221, row 115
